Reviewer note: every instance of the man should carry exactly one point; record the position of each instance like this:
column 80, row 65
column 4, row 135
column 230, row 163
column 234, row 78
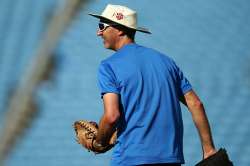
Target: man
column 141, row 90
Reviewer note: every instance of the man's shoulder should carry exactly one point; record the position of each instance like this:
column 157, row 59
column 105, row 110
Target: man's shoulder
column 159, row 54
column 126, row 50
column 108, row 60
column 136, row 49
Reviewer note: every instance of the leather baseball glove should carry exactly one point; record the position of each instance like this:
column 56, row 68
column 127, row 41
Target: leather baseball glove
column 220, row 158
column 86, row 133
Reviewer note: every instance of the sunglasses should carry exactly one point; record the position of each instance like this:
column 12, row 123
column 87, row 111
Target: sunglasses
column 102, row 26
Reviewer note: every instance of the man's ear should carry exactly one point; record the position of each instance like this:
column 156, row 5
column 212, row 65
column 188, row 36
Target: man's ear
column 121, row 33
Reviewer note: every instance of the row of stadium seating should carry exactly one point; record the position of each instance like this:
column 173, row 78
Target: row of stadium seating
column 208, row 40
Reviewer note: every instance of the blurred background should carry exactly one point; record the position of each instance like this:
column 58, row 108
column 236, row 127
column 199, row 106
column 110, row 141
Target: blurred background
column 49, row 54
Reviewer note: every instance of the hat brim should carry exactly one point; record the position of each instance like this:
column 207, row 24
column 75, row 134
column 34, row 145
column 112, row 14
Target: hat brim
column 140, row 29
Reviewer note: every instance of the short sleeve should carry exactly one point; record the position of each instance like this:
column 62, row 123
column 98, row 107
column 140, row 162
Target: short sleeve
column 182, row 82
column 106, row 79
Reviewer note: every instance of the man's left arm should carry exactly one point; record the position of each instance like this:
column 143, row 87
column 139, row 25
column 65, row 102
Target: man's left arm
column 195, row 106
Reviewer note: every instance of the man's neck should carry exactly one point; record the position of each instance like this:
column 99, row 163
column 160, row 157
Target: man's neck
column 123, row 42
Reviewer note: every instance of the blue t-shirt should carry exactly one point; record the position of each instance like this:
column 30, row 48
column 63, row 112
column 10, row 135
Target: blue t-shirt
column 149, row 85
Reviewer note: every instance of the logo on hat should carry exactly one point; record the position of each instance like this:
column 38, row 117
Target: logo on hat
column 119, row 16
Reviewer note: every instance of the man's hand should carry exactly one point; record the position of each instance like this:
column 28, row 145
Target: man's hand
column 86, row 133
column 220, row 158
column 209, row 153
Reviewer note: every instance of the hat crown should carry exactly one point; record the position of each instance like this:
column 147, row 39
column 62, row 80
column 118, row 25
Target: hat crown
column 121, row 14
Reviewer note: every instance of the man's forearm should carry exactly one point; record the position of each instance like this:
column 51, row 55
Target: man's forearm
column 105, row 131
column 202, row 124
column 197, row 110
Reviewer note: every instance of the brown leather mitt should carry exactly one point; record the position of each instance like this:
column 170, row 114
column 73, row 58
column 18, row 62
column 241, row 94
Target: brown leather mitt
column 86, row 133
column 220, row 158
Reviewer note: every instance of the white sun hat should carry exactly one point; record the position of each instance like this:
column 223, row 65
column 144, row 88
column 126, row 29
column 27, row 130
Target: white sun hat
column 121, row 15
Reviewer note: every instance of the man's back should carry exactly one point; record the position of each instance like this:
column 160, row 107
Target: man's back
column 149, row 84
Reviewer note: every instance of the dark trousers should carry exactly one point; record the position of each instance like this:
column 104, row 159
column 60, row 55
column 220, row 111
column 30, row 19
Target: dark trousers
column 160, row 165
